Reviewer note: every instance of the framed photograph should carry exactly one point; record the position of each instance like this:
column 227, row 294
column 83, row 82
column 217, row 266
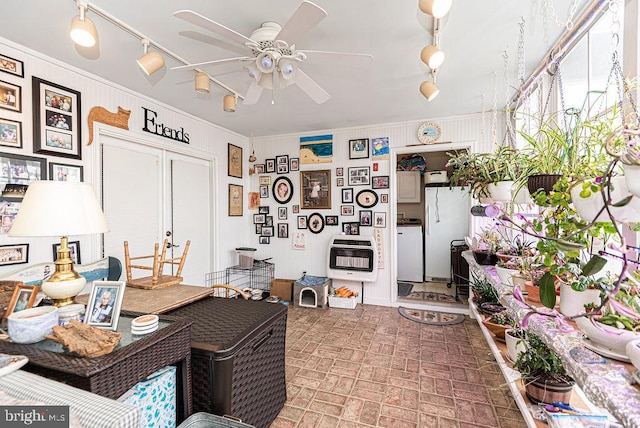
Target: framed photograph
column 380, row 182
column 264, row 191
column 234, row 161
column 10, row 96
column 315, row 222
column 270, row 165
column 263, row 210
column 74, row 251
column 331, row 220
column 10, row 133
column 105, row 301
column 295, row 209
column 258, row 218
column 351, row 228
column 347, row 210
column 259, row 168
column 14, row 254
column 282, row 213
column 347, row 196
column 23, row 298
column 268, row 220
column 259, row 228
column 16, row 191
column 282, row 160
column 365, row 217
column 367, row 198
column 264, row 239
column 302, row 222
column 282, row 190
column 8, row 211
column 56, row 120
column 340, row 181
column 267, row 230
column 380, row 219
column 64, row 172
column 294, row 164
column 235, row 200
column 283, row 169
column 283, row 230
column 315, row 189
column 20, row 169
column 254, row 200
column 384, row 198
column 264, row 180
column 11, row 66
column 359, row 149
column 359, row 176
column 339, row 172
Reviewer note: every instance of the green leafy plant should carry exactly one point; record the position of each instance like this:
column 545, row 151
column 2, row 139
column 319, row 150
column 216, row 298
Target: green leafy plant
column 483, row 289
column 539, row 362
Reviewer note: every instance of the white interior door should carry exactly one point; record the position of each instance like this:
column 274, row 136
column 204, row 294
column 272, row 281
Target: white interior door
column 149, row 195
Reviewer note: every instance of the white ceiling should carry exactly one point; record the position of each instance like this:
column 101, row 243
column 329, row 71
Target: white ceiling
column 475, row 36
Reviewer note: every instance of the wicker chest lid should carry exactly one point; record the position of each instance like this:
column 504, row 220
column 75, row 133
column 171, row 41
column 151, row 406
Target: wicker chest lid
column 225, row 325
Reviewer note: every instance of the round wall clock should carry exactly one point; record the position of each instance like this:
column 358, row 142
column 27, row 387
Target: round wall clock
column 367, row 198
column 429, row 132
column 315, row 222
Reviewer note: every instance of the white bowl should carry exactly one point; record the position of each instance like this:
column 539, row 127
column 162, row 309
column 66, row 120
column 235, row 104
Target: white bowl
column 611, row 338
column 32, row 325
column 633, row 352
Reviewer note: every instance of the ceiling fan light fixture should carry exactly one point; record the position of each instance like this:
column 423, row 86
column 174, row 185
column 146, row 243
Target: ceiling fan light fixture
column 288, row 68
column 432, row 56
column 83, row 31
column 429, row 90
column 435, row 8
column 203, row 85
column 253, row 72
column 150, row 62
column 267, row 61
column 229, row 103
column 266, row 81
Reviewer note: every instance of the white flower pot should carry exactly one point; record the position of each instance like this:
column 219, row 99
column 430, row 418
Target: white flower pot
column 589, row 207
column 515, row 345
column 500, row 191
column 505, row 274
column 518, row 280
column 632, row 177
column 611, row 338
column 572, row 302
column 633, row 352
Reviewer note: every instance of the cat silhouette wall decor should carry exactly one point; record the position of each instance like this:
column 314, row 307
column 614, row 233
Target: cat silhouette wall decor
column 102, row 115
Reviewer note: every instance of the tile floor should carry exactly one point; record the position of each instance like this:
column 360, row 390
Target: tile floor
column 370, row 367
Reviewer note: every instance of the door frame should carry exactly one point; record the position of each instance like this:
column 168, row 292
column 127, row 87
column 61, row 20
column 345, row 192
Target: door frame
column 393, row 199
column 133, row 137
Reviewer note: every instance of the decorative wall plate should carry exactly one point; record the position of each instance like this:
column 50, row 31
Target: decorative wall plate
column 315, row 222
column 429, row 132
column 367, row 198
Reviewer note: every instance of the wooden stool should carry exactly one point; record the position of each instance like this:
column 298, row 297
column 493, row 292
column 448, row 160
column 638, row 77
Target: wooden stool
column 157, row 279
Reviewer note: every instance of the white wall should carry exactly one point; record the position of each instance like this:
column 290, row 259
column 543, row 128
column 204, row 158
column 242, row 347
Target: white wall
column 206, row 140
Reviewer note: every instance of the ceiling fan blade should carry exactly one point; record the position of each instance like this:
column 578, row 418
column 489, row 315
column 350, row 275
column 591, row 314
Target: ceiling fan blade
column 346, row 59
column 207, row 24
column 253, row 94
column 307, row 16
column 215, row 62
column 311, row 88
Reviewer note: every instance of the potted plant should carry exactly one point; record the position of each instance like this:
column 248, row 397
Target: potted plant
column 499, row 323
column 516, row 343
column 488, row 244
column 544, row 377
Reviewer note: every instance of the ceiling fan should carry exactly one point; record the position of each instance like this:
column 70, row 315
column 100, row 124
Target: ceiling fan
column 272, row 60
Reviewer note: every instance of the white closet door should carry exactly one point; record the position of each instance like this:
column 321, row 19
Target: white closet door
column 132, row 197
column 190, row 214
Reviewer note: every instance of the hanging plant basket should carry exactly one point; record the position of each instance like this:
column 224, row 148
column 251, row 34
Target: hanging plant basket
column 542, row 181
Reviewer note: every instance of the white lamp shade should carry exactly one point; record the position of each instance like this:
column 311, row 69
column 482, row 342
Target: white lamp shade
column 229, row 103
column 151, row 62
column 432, row 56
column 429, row 90
column 59, row 208
column 83, row 32
column 203, row 85
column 435, row 8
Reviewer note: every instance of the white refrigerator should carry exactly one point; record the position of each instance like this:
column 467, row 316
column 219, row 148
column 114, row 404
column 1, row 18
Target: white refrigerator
column 446, row 219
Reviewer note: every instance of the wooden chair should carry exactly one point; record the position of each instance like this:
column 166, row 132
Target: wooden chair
column 158, row 260
column 226, row 291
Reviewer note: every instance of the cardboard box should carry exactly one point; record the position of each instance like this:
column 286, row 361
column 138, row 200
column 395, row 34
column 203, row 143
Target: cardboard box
column 282, row 288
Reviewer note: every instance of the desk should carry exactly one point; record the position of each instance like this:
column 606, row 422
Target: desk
column 113, row 374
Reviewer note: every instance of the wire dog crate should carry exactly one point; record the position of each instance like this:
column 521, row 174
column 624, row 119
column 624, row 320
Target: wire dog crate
column 258, row 276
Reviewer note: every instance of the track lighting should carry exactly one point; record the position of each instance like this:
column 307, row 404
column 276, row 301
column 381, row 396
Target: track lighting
column 229, row 103
column 435, row 8
column 429, row 90
column 150, row 62
column 83, row 30
column 432, row 56
column 203, row 86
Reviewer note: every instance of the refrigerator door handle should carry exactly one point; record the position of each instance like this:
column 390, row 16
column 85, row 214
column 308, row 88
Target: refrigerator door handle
column 427, row 225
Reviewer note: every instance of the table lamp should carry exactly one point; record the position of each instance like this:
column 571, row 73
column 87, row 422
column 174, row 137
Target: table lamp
column 60, row 208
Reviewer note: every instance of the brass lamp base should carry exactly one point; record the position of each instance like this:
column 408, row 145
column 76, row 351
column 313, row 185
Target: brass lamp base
column 65, row 283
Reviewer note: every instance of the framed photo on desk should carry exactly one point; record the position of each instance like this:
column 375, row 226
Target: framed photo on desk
column 103, row 308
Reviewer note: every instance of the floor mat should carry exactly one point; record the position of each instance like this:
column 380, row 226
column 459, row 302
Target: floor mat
column 404, row 288
column 426, row 316
column 430, row 296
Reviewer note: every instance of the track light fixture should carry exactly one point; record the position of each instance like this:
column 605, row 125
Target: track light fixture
column 203, row 86
column 432, row 56
column 83, row 30
column 229, row 103
column 150, row 62
column 435, row 8
column 429, row 89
